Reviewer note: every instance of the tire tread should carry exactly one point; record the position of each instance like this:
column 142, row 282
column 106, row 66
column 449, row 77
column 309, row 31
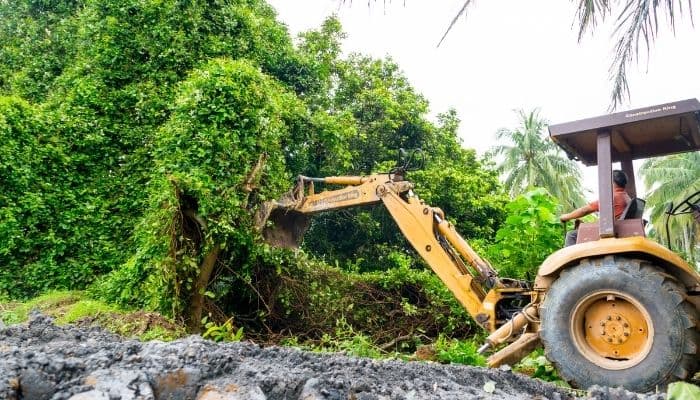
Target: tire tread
column 660, row 282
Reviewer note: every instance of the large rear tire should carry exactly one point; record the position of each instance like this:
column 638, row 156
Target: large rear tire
column 615, row 321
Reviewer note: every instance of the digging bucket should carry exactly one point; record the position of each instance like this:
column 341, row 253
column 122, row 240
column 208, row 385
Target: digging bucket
column 281, row 225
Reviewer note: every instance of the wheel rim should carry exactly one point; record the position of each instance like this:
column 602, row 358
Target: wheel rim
column 612, row 329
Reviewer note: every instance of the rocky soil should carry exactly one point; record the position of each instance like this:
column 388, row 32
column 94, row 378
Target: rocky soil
column 40, row 360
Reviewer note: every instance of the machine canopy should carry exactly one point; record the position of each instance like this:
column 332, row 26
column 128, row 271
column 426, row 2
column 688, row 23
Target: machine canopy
column 645, row 132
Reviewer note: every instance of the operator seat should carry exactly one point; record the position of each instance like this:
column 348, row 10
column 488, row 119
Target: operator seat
column 634, row 209
column 629, row 224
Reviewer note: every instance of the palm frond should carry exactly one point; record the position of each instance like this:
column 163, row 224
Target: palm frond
column 670, row 180
column 528, row 159
column 462, row 11
column 588, row 14
column 637, row 23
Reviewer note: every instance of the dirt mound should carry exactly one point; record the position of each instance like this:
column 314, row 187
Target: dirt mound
column 40, row 360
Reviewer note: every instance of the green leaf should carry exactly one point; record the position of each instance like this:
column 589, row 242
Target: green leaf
column 683, row 391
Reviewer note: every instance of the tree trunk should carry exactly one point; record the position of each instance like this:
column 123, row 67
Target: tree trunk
column 197, row 302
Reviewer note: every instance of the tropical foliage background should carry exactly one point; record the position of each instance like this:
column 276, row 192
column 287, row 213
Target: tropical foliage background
column 671, row 180
column 139, row 137
column 530, row 159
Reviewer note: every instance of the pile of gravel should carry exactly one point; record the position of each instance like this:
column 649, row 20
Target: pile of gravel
column 40, row 360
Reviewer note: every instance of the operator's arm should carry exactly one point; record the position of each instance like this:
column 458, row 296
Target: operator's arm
column 577, row 213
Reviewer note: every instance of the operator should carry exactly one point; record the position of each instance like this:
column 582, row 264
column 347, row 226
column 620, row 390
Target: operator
column 620, row 201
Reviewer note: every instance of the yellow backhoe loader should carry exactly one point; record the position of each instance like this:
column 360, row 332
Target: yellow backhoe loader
column 615, row 309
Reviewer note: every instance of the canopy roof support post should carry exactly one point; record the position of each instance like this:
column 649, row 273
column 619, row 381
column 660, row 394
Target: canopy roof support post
column 605, row 190
column 628, row 169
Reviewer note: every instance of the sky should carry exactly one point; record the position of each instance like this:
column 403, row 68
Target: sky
column 507, row 55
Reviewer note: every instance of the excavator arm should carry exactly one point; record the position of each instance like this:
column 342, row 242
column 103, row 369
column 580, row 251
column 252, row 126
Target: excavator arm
column 470, row 278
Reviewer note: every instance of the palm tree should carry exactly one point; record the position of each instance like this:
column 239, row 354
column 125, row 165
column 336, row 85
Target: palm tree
column 532, row 159
column 670, row 180
column 637, row 19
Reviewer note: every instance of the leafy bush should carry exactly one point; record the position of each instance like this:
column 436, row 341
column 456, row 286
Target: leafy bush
column 221, row 333
column 36, row 249
column 217, row 156
column 682, row 391
column 537, row 366
column 458, row 352
column 531, row 233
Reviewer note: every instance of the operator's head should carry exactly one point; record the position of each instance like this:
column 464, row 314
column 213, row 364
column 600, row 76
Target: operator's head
column 619, row 178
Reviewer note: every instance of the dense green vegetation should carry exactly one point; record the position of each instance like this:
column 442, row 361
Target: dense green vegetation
column 138, row 138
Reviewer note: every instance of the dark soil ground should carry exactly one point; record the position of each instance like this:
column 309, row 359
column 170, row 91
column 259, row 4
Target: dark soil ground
column 40, row 360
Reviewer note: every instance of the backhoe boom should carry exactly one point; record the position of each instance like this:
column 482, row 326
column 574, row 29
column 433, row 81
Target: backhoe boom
column 463, row 271
column 471, row 279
